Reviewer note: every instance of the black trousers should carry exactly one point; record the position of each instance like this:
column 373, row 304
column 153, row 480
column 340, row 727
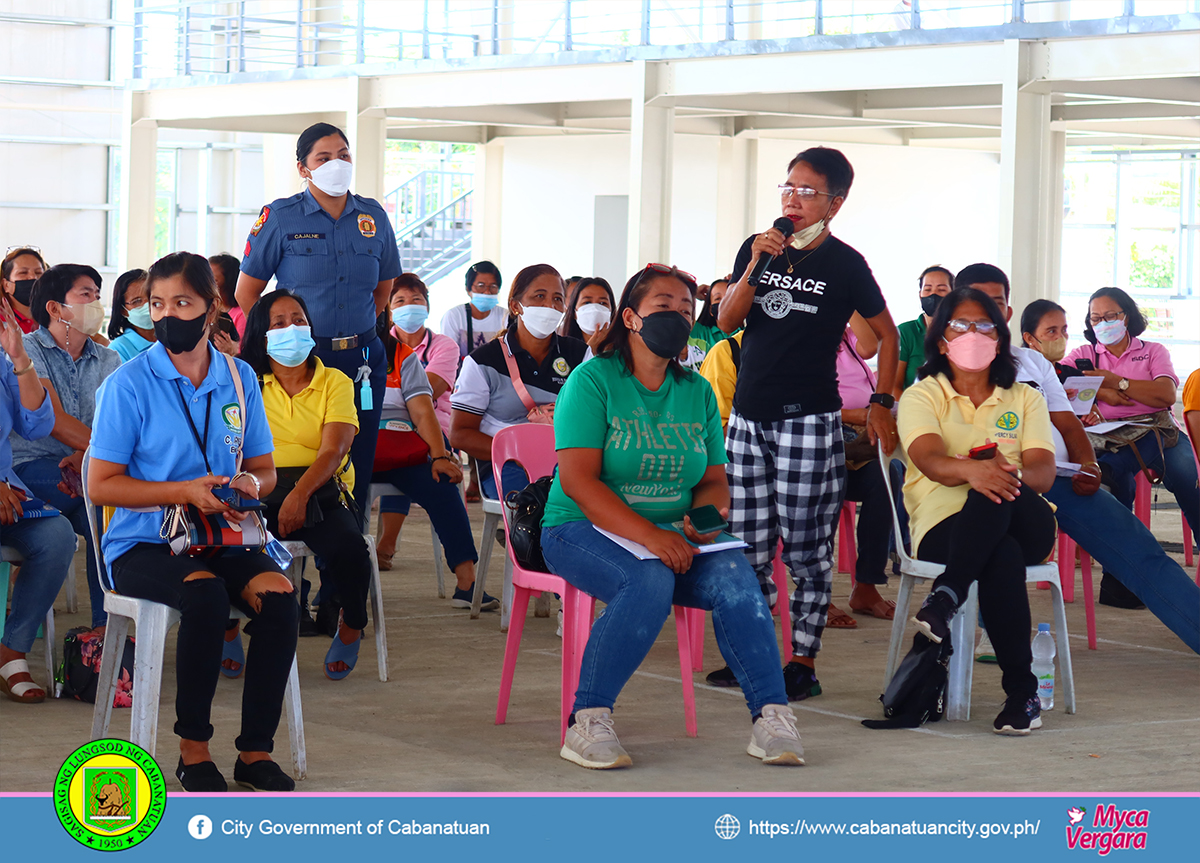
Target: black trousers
column 992, row 544
column 150, row 571
column 865, row 486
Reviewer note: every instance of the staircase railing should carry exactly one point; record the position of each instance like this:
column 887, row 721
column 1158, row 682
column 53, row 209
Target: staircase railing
column 423, row 194
column 439, row 242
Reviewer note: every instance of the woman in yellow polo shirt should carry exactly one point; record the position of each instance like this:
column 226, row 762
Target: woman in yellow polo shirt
column 981, row 453
column 310, row 408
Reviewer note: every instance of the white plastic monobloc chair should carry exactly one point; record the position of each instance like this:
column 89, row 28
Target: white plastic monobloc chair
column 962, row 627
column 383, row 489
column 152, row 621
column 493, row 517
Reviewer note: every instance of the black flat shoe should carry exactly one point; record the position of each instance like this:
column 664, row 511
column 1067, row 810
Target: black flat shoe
column 202, row 777
column 308, row 627
column 262, row 776
column 1117, row 595
column 722, row 677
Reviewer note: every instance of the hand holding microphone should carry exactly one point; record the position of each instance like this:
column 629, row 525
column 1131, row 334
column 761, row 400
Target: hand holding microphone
column 768, row 245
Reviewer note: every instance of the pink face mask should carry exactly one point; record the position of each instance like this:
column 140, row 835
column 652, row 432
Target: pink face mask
column 972, row 352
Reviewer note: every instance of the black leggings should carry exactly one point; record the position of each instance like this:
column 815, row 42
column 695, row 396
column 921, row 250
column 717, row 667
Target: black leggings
column 150, row 571
column 992, row 544
column 865, row 486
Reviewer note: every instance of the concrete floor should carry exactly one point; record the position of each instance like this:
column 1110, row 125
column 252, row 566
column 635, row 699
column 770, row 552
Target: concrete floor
column 430, row 727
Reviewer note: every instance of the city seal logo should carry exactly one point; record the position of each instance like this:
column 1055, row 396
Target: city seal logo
column 366, row 226
column 109, row 795
column 560, row 366
column 232, row 415
column 1008, row 421
column 1086, row 395
column 777, row 304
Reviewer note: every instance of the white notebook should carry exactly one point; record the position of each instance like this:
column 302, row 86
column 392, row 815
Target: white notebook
column 723, row 542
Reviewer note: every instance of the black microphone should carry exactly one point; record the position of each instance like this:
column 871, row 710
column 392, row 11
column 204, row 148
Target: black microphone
column 784, row 225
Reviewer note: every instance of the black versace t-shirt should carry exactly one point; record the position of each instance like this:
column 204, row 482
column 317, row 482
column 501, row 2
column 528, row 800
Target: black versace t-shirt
column 789, row 351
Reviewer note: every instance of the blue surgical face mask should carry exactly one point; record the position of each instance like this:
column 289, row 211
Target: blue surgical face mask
column 290, row 346
column 485, row 302
column 140, row 317
column 410, row 318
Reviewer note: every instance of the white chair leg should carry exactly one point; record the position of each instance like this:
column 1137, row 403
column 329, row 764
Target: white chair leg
column 899, row 622
column 110, row 670
column 438, row 565
column 48, row 632
column 377, row 617
column 962, row 663
column 1066, row 672
column 147, row 675
column 487, row 542
column 72, row 593
column 295, row 721
column 506, row 595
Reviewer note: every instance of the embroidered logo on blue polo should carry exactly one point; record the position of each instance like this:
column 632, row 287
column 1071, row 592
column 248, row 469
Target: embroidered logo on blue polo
column 1008, row 421
column 561, row 366
column 306, row 236
column 232, row 415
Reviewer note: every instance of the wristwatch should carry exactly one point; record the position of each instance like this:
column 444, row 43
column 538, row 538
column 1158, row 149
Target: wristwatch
column 886, row 400
column 1122, row 385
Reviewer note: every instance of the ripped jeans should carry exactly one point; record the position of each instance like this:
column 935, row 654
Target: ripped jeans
column 639, row 595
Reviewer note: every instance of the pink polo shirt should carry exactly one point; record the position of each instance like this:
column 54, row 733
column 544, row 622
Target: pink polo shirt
column 1142, row 361
column 856, row 382
column 439, row 355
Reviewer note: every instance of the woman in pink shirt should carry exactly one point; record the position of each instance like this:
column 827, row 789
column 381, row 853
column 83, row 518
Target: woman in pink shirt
column 409, row 305
column 1138, row 384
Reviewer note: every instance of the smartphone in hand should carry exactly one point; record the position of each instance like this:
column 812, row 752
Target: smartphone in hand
column 72, row 480
column 235, row 501
column 1084, row 365
column 707, row 519
column 983, row 452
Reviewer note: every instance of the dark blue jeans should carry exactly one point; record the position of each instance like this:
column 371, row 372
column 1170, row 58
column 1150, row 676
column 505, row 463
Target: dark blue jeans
column 639, row 595
column 42, row 476
column 443, row 503
column 1178, row 474
column 514, row 478
column 1124, row 546
column 47, row 545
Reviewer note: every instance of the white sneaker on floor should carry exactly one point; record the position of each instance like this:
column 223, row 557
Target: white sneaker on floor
column 558, row 632
column 984, row 652
column 775, row 739
column 591, row 742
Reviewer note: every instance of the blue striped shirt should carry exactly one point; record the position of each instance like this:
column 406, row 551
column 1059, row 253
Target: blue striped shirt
column 334, row 266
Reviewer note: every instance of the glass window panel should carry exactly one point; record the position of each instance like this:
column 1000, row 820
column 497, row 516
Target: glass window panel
column 1090, row 193
column 1087, row 256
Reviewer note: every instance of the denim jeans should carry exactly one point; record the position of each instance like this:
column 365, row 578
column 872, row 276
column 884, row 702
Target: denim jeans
column 514, row 478
column 48, row 544
column 639, row 595
column 1124, row 546
column 1178, row 474
column 42, row 476
column 442, row 501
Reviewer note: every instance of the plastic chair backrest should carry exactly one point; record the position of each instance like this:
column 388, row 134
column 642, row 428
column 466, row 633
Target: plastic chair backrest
column 93, row 523
column 531, row 445
column 885, row 464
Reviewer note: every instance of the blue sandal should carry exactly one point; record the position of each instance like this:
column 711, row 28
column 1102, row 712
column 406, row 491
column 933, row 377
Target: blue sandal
column 339, row 651
column 233, row 650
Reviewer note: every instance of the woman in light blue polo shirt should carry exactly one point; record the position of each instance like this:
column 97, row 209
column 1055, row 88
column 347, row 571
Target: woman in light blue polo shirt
column 130, row 327
column 151, row 415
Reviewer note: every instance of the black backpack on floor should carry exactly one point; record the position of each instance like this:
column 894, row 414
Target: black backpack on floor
column 917, row 691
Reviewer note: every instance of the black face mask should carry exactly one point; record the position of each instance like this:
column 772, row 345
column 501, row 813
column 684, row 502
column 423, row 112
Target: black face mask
column 179, row 336
column 929, row 304
column 665, row 333
column 713, row 309
column 23, row 290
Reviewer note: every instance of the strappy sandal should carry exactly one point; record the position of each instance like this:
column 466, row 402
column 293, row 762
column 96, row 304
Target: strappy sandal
column 19, row 691
column 838, row 619
column 339, row 651
column 233, row 650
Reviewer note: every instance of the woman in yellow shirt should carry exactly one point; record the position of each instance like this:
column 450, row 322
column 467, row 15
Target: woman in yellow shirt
column 310, row 408
column 981, row 453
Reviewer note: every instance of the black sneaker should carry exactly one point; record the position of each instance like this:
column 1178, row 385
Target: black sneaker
column 328, row 613
column 463, row 598
column 262, row 776
column 1113, row 593
column 308, row 626
column 1019, row 717
column 722, row 677
column 800, row 681
column 933, row 619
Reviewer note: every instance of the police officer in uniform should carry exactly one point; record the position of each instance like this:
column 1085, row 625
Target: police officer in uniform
column 338, row 252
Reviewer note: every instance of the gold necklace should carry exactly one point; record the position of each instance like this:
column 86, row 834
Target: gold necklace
column 788, row 255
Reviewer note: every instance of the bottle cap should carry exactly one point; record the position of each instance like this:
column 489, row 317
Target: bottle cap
column 1043, row 627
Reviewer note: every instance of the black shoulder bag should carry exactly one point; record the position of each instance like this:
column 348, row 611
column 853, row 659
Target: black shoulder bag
column 525, row 523
column 917, row 691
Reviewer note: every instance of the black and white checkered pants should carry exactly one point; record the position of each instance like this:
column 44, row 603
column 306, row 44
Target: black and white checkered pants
column 787, row 479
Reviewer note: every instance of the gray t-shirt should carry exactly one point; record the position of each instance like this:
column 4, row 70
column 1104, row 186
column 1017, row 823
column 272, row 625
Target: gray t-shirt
column 413, row 382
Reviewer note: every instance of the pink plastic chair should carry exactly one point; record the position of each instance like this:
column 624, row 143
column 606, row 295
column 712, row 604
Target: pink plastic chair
column 532, row 447
column 847, row 547
column 1141, row 508
column 1066, row 576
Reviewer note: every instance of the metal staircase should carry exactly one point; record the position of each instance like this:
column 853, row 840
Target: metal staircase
column 431, row 213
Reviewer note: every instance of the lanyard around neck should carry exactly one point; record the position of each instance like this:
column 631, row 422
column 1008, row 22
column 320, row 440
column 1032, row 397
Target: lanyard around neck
column 192, row 425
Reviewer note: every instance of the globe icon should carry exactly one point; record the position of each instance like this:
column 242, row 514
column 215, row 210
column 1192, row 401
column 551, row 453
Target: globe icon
column 727, row 826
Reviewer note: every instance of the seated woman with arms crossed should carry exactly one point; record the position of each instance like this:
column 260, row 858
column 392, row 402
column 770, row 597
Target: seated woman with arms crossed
column 619, row 470
column 167, row 432
column 985, row 519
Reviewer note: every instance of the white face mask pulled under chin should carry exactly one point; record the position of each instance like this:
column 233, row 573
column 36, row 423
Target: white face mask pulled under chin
column 540, row 321
column 333, row 178
column 802, row 238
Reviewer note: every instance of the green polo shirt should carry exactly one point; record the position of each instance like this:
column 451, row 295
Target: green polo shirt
column 912, row 348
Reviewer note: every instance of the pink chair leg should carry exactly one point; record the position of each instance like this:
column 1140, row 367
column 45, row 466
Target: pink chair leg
column 847, row 551
column 512, row 645
column 578, row 611
column 695, row 624
column 685, row 669
column 783, row 591
column 1188, row 557
column 1089, row 600
column 1141, row 500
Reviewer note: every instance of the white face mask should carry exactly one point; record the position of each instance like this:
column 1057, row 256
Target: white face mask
column 333, row 178
column 592, row 316
column 86, row 317
column 803, row 238
column 541, row 321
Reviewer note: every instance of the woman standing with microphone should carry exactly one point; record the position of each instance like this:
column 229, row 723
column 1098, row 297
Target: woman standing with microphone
column 338, row 252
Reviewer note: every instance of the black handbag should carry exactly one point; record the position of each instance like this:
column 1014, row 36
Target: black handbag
column 525, row 523
column 323, row 500
column 917, row 691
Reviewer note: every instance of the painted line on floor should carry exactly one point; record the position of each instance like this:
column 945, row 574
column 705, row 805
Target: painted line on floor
column 1137, row 646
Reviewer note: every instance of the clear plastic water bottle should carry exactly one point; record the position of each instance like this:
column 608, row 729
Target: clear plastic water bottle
column 1043, row 665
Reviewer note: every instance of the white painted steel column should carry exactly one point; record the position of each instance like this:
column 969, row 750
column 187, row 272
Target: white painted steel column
column 203, row 182
column 139, row 157
column 366, row 127
column 1027, row 178
column 1058, row 162
column 487, row 202
column 737, row 181
column 651, row 164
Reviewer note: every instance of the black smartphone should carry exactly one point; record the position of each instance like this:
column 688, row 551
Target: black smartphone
column 706, row 519
column 1084, row 365
column 235, row 501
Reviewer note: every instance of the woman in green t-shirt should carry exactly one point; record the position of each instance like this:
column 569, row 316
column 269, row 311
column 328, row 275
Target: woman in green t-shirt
column 639, row 444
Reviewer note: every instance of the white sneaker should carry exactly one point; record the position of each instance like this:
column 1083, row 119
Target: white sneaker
column 591, row 741
column 984, row 652
column 775, row 739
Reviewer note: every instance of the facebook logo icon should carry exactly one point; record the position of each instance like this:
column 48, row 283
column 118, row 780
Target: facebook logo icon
column 200, row 827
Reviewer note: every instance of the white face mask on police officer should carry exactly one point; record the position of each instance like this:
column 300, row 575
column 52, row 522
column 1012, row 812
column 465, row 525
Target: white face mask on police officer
column 333, row 178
